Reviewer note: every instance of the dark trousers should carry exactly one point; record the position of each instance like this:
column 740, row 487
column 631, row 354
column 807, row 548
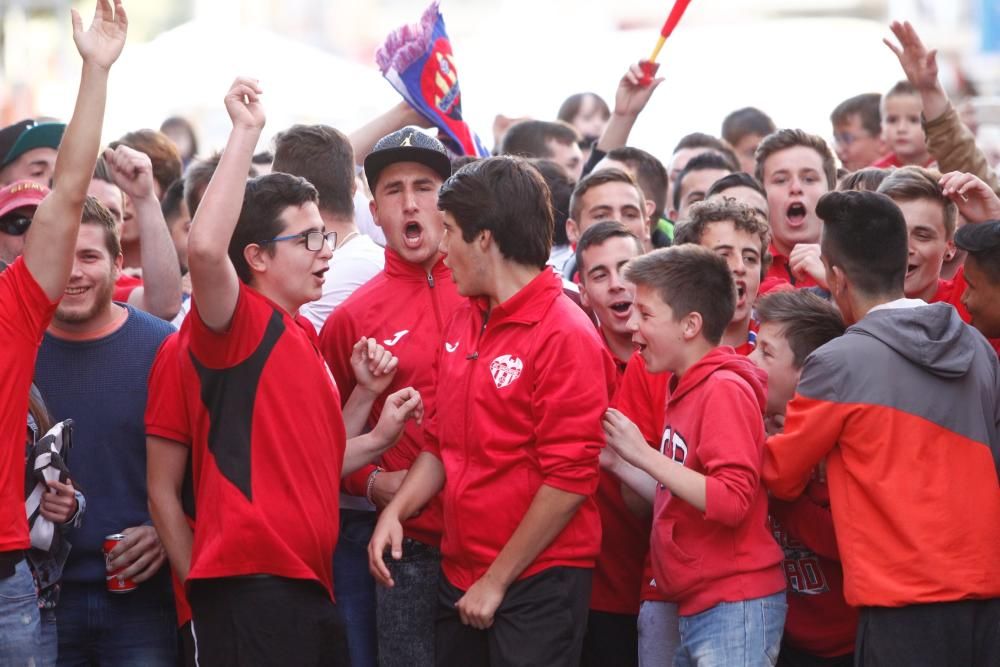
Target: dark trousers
column 407, row 611
column 541, row 622
column 942, row 634
column 612, row 640
column 264, row 620
column 793, row 657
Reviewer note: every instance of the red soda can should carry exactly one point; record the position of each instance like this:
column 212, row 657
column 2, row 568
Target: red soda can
column 116, row 583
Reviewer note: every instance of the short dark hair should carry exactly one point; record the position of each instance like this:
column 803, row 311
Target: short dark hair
column 560, row 190
column 807, row 321
column 864, row 233
column 196, row 179
column 707, row 141
column 459, row 161
column 95, row 213
column 867, row 179
column 508, row 197
column 784, row 139
column 649, row 172
column 982, row 242
column 702, row 162
column 323, row 156
column 264, row 200
column 912, row 183
column 689, row 279
column 263, row 157
column 595, row 179
column 571, row 107
column 162, row 152
column 746, row 121
column 705, row 213
column 597, row 235
column 171, row 203
column 738, row 179
column 530, row 138
column 866, row 107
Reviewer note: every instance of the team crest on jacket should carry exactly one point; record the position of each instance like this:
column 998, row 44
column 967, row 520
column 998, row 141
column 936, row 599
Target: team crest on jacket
column 505, row 369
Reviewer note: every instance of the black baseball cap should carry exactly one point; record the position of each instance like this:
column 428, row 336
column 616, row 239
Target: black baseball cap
column 407, row 145
column 979, row 237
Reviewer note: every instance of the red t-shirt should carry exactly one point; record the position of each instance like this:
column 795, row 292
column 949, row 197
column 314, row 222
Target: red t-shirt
column 124, row 287
column 819, row 620
column 268, row 445
column 25, row 312
column 624, row 543
column 527, row 390
column 779, row 276
column 891, row 160
column 167, row 417
column 950, row 291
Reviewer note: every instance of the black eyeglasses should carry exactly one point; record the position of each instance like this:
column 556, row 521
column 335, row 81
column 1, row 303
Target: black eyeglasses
column 15, row 225
column 314, row 239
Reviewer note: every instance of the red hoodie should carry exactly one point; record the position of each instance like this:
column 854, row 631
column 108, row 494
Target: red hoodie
column 522, row 390
column 713, row 425
column 405, row 309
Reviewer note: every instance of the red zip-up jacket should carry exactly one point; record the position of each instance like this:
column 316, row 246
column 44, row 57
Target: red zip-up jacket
column 714, row 426
column 521, row 391
column 405, row 309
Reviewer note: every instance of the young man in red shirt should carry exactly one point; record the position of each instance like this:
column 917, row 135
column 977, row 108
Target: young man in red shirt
column 930, row 204
column 612, row 638
column 268, row 434
column 29, row 290
column 820, row 626
column 796, row 169
column 711, row 551
column 515, row 445
column 405, row 308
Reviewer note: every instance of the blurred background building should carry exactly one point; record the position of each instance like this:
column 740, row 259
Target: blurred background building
column 795, row 59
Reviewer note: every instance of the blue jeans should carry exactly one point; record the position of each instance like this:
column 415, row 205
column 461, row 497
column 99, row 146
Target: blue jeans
column 103, row 628
column 737, row 634
column 355, row 586
column 658, row 638
column 20, row 623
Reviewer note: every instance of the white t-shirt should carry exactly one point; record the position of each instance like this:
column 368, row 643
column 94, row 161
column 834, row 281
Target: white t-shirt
column 364, row 220
column 353, row 264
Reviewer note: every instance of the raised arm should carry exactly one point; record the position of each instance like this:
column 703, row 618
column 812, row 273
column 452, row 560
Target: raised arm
column 160, row 293
column 630, row 99
column 950, row 142
column 214, row 283
column 51, row 241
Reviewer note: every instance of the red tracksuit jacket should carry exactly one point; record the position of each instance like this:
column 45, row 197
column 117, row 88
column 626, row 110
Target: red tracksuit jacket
column 521, row 391
column 405, row 309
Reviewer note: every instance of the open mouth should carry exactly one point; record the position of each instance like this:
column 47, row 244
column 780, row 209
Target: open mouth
column 910, row 268
column 741, row 292
column 319, row 274
column 412, row 233
column 621, row 307
column 796, row 213
column 73, row 291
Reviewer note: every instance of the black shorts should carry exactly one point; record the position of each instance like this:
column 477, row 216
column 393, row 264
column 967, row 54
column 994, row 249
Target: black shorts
column 264, row 620
column 541, row 621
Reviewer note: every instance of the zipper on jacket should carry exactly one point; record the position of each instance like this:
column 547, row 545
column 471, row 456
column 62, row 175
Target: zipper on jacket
column 468, row 386
column 434, row 302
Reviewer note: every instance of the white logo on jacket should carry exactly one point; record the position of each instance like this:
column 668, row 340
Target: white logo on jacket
column 395, row 338
column 451, row 347
column 505, row 369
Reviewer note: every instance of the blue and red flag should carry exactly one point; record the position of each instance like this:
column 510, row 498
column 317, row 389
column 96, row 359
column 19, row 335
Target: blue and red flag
column 417, row 60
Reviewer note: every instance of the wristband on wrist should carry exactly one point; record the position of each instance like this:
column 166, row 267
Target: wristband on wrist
column 371, row 484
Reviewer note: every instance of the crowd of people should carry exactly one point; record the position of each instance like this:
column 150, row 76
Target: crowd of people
column 760, row 417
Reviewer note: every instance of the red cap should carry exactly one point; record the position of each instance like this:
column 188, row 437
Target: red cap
column 21, row 193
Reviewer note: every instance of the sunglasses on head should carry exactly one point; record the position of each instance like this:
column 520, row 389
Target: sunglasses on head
column 15, row 225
